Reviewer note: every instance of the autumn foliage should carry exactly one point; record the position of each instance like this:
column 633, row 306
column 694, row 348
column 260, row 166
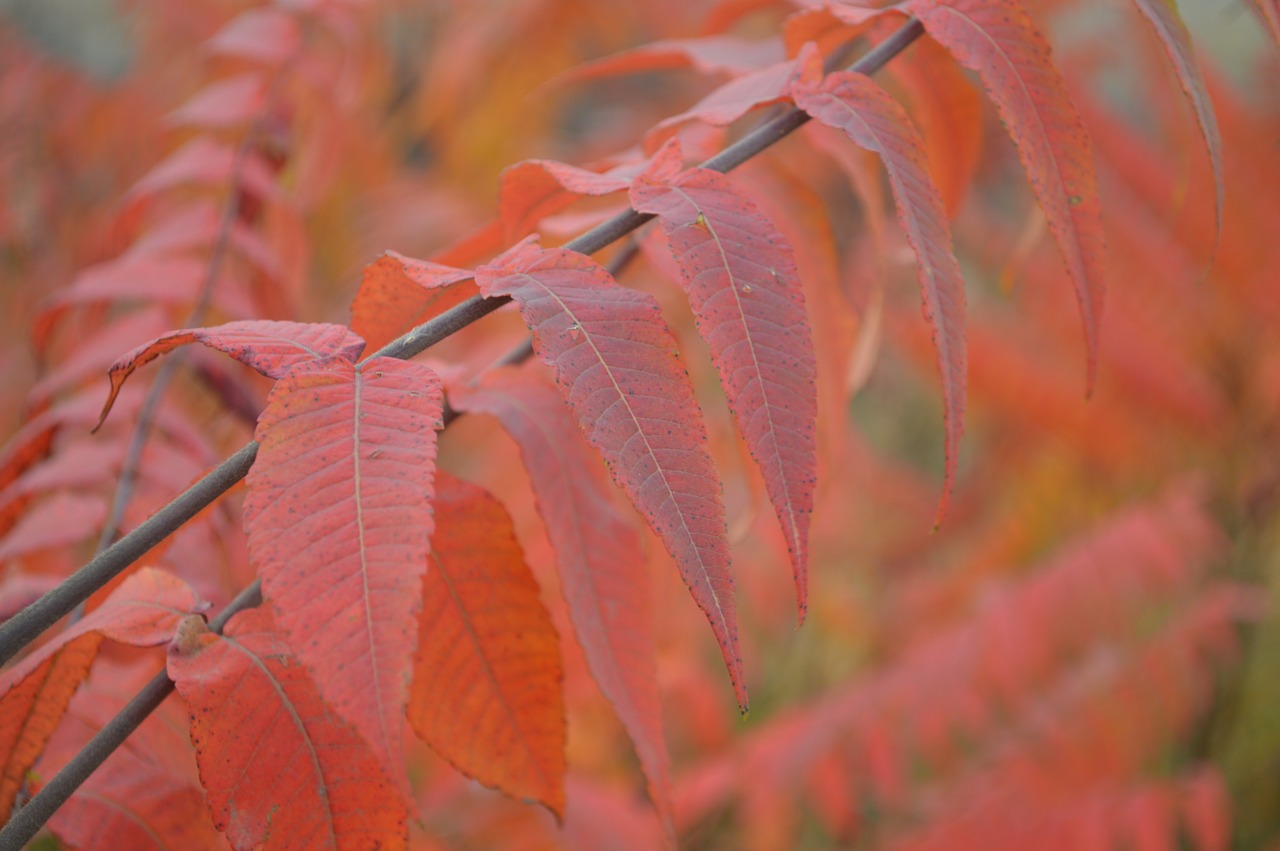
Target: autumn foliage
column 490, row 389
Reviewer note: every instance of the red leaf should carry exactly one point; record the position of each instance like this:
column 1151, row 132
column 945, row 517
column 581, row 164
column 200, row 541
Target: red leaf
column 853, row 103
column 398, row 293
column 146, row 795
column 599, row 556
column 338, row 522
column 740, row 274
column 947, row 107
column 615, row 363
column 1165, row 20
column 225, row 103
column 203, row 161
column 266, row 35
column 1000, row 42
column 143, row 611
column 487, row 690
column 280, row 768
column 272, row 348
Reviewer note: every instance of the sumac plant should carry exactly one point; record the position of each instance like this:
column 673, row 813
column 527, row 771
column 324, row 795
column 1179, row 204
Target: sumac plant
column 756, row 268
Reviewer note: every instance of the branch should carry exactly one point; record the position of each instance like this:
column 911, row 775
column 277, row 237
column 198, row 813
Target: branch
column 24, row 627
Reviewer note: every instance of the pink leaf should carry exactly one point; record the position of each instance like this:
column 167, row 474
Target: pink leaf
column 741, row 278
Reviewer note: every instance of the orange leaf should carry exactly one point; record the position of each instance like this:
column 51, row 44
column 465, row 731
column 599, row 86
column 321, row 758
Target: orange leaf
column 853, row 103
column 398, row 293
column 740, row 274
column 534, row 189
column 616, row 365
column 34, row 693
column 272, row 348
column 281, row 770
column 1000, row 42
column 599, row 556
column 338, row 521
column 487, row 684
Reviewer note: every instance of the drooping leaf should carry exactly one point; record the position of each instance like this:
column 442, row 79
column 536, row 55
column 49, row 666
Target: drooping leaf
column 947, row 107
column 598, row 554
column 1172, row 32
column 272, row 348
column 615, row 364
column 487, row 690
column 225, row 103
column 741, row 277
column 1001, row 43
column 96, row 351
column 398, row 293
column 34, row 693
column 338, row 521
column 853, row 103
column 280, row 768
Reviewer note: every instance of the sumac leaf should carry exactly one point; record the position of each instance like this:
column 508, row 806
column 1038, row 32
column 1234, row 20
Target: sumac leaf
column 1001, row 43
column 740, row 274
column 34, row 693
column 487, row 690
column 272, row 348
column 338, row 522
column 616, row 365
column 598, row 553
column 280, row 769
column 853, row 103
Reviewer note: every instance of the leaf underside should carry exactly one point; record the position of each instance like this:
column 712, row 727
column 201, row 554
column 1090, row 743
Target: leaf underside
column 740, row 275
column 599, row 555
column 873, row 120
column 1001, row 43
column 616, row 365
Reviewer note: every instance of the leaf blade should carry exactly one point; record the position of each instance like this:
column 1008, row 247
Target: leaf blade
column 327, row 790
column 598, row 555
column 1001, row 43
column 338, row 521
column 615, row 366
column 759, row 335
column 872, row 120
column 487, row 688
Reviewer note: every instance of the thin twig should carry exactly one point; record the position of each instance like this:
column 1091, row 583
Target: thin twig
column 27, row 625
